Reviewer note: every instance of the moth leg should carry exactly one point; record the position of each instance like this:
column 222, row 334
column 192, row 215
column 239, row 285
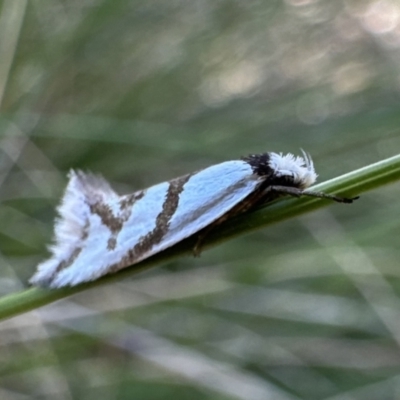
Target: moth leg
column 296, row 192
column 199, row 242
column 203, row 233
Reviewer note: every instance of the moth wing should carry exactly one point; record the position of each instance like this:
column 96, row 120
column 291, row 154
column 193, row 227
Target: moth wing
column 100, row 232
column 207, row 196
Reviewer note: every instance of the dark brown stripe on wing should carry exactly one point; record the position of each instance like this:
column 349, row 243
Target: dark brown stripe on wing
column 112, row 222
column 107, row 217
column 163, row 219
column 128, row 200
column 170, row 205
column 106, row 214
column 74, row 255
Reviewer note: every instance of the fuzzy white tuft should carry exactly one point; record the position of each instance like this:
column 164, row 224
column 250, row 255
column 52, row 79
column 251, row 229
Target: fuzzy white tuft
column 300, row 169
column 74, row 217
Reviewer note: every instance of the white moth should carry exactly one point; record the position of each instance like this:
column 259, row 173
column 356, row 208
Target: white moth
column 99, row 232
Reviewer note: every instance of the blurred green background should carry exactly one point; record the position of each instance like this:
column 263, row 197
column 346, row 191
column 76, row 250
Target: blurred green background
column 144, row 91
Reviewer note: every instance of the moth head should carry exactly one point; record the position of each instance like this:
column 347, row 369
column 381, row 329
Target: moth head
column 293, row 169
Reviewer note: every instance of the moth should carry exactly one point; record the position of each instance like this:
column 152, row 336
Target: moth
column 99, row 232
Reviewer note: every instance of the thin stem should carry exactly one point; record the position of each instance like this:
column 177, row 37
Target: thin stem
column 356, row 182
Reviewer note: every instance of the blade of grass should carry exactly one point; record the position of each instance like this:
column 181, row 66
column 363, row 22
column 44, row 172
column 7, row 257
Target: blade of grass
column 11, row 18
column 353, row 183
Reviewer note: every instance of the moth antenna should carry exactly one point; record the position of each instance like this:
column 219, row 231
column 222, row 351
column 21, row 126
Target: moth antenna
column 296, row 192
column 333, row 197
column 308, row 160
